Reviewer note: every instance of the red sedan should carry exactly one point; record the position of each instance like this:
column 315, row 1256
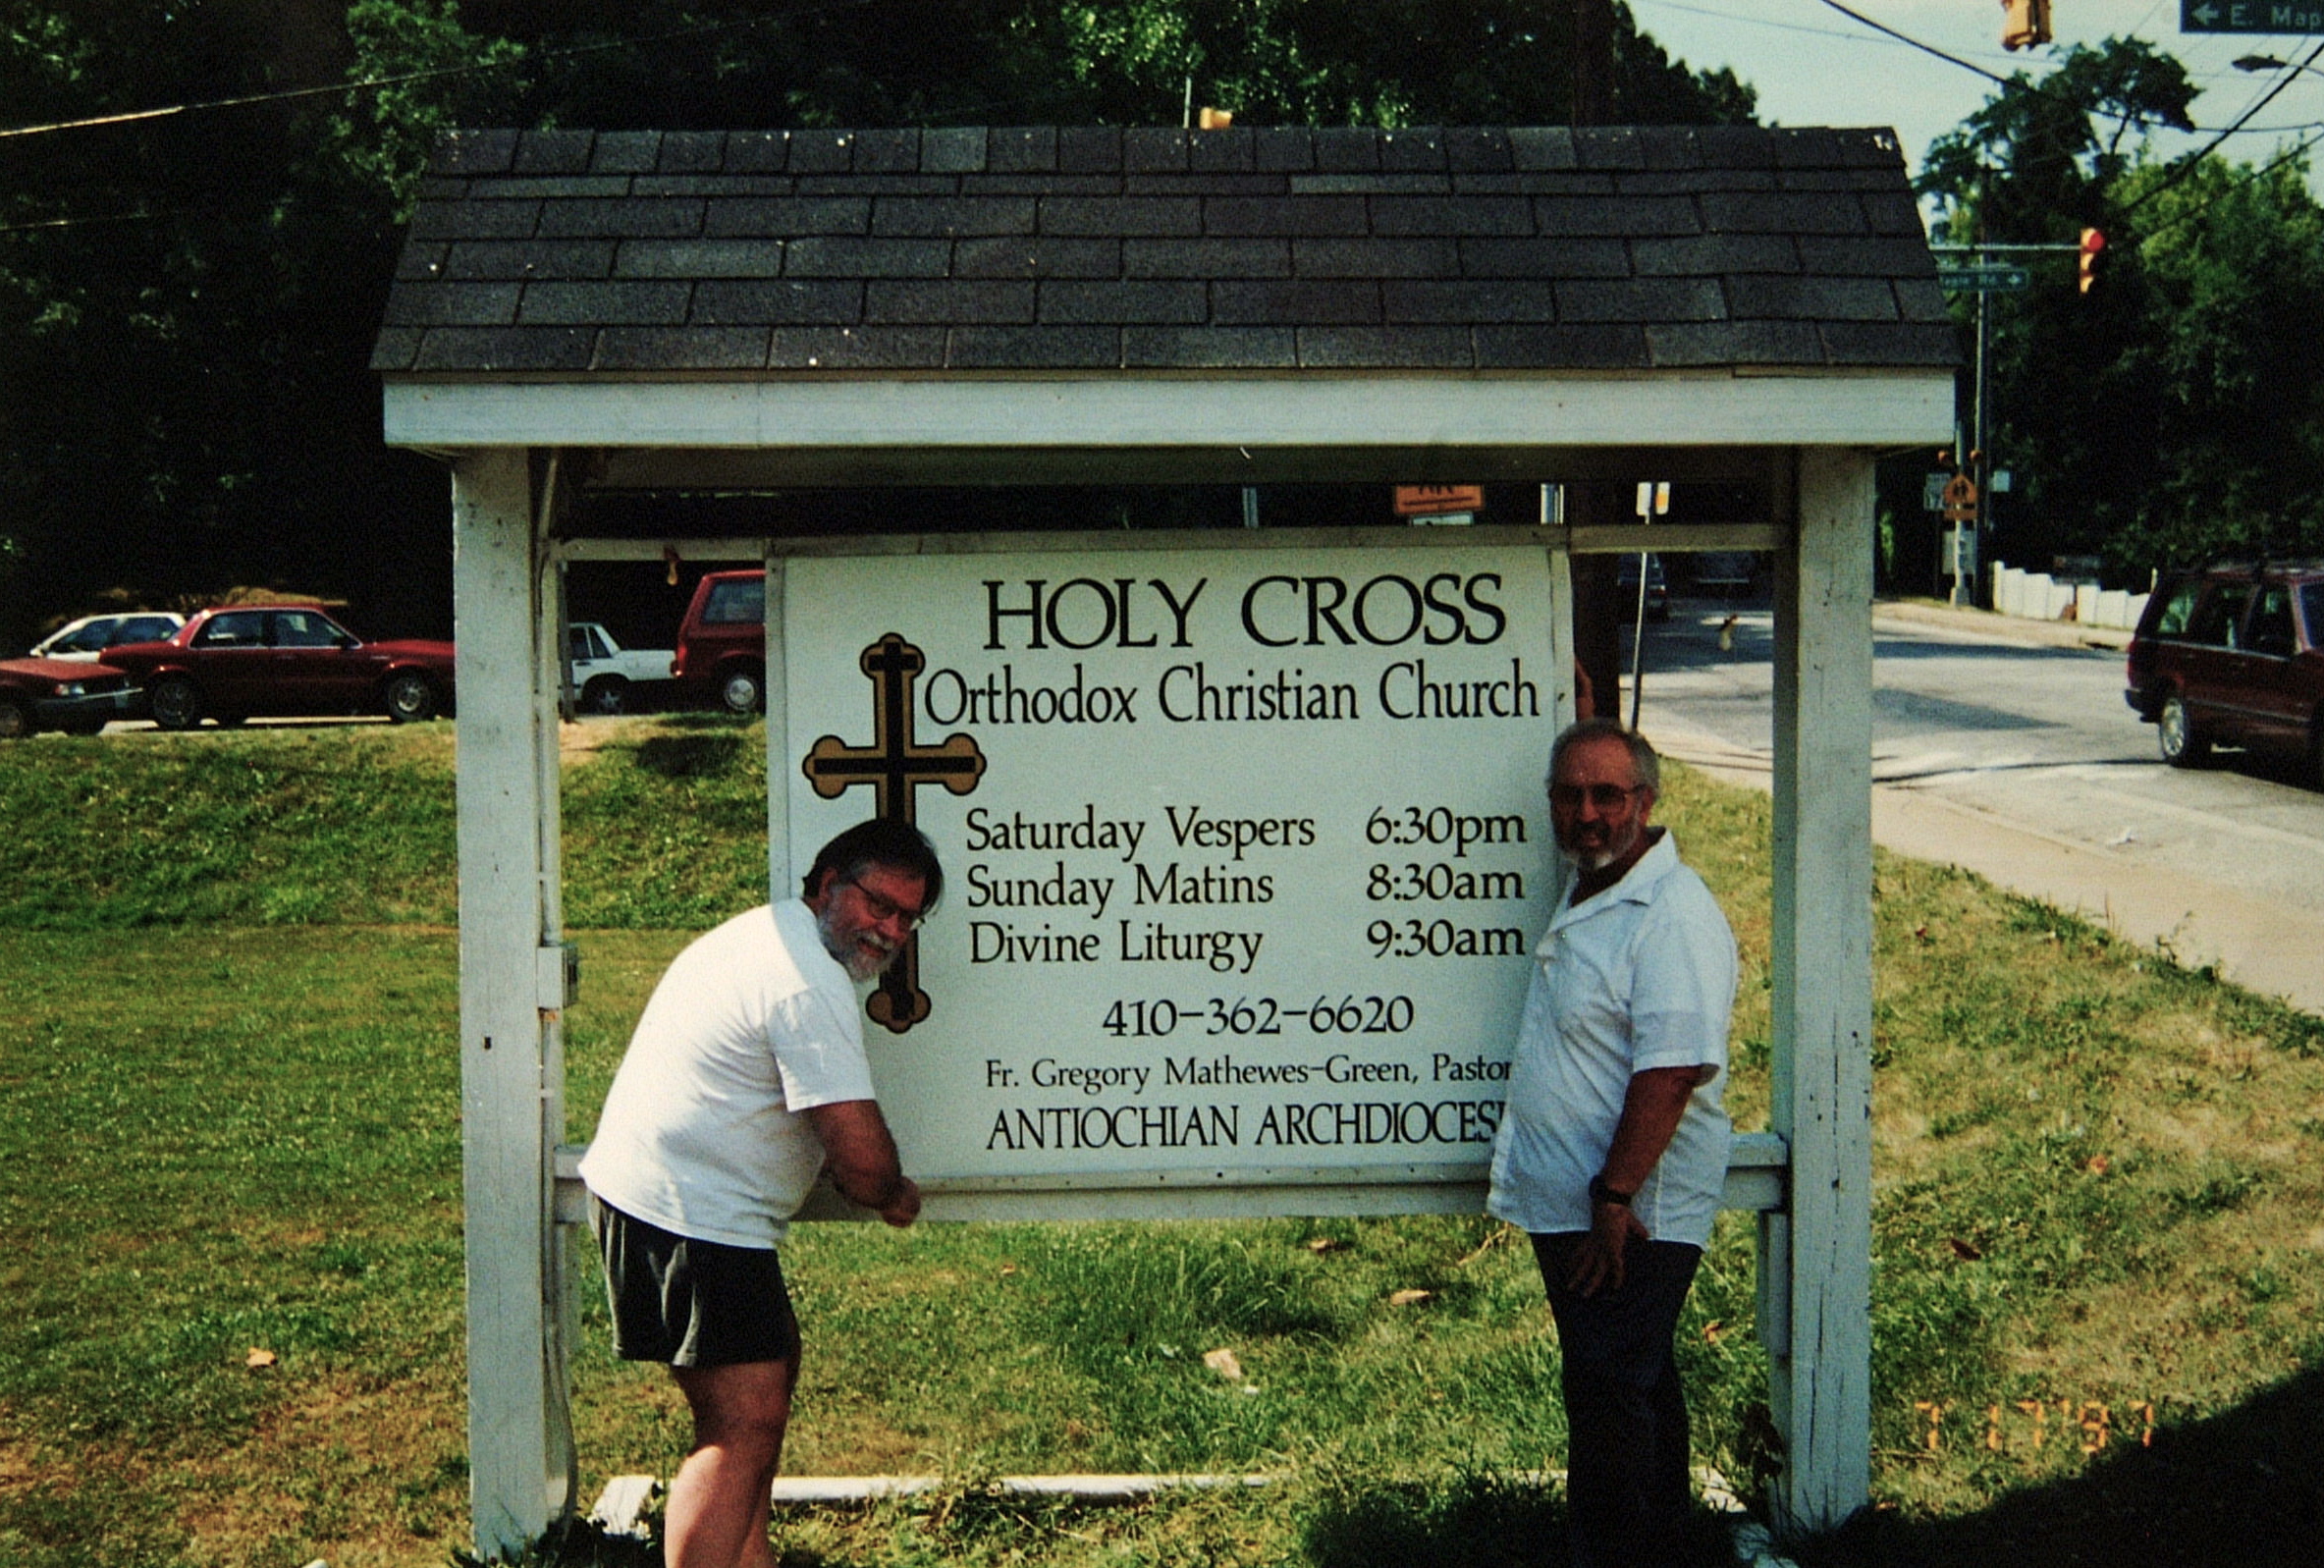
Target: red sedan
column 232, row 662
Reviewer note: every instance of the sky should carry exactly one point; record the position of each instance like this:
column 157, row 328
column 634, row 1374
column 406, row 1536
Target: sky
column 1814, row 66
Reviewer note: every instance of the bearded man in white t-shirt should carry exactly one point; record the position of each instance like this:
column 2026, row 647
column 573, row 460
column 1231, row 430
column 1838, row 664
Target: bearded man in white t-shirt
column 1612, row 1150
column 745, row 1079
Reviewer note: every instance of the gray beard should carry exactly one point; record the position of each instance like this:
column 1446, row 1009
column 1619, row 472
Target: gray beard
column 1590, row 860
column 849, row 956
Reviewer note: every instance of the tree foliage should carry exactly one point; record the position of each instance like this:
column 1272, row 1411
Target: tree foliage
column 2169, row 413
column 187, row 302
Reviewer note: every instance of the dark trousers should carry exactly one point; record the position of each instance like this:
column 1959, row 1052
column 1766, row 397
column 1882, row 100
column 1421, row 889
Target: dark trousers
column 1627, row 1486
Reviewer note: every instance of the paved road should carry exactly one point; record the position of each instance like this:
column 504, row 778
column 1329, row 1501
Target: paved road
column 1998, row 751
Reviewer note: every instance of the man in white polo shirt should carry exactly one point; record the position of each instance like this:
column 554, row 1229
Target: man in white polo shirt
column 745, row 1079
column 1612, row 1150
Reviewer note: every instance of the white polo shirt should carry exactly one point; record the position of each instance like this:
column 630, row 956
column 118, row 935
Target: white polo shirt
column 702, row 1133
column 1641, row 976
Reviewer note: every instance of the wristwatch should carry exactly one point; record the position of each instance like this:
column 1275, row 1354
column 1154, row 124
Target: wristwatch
column 1600, row 1192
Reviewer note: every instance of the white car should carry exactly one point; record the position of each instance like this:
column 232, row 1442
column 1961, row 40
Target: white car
column 86, row 639
column 602, row 670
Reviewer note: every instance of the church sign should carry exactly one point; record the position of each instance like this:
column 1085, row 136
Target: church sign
column 1245, row 849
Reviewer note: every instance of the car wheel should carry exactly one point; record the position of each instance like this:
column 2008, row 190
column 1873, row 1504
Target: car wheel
column 2183, row 745
column 605, row 694
column 741, row 689
column 16, row 720
column 176, row 702
column 410, row 698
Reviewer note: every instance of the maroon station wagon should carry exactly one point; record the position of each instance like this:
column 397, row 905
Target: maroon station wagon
column 2236, row 654
column 239, row 661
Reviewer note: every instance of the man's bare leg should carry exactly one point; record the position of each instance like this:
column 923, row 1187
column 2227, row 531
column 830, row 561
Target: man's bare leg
column 718, row 1503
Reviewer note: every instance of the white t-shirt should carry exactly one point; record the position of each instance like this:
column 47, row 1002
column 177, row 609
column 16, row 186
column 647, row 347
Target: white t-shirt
column 1641, row 976
column 702, row 1133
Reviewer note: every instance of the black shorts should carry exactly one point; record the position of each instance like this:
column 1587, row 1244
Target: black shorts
column 691, row 1303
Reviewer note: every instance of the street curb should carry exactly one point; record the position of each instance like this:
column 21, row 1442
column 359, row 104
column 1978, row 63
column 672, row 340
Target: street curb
column 2010, row 628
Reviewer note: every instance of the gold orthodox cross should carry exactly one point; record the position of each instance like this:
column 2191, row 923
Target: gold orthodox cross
column 895, row 767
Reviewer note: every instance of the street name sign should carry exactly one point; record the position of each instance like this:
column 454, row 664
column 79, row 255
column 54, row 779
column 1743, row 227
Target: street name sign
column 2252, row 16
column 1985, row 277
column 1245, row 853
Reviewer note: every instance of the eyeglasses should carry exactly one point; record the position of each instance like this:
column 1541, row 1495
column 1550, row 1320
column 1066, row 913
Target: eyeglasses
column 885, row 909
column 1605, row 796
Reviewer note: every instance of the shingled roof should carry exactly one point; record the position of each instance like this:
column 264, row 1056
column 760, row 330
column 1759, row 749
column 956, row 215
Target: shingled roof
column 570, row 255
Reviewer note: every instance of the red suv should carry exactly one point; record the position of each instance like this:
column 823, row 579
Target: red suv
column 2235, row 654
column 722, row 644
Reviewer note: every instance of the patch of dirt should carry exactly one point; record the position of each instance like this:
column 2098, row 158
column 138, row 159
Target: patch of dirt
column 363, row 1474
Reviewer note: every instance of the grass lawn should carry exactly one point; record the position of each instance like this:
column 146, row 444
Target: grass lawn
column 229, row 1123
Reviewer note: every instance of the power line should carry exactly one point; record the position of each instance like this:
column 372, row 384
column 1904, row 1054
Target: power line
column 373, row 83
column 1924, row 48
column 1842, row 34
column 2031, row 83
column 2187, row 164
column 2252, row 179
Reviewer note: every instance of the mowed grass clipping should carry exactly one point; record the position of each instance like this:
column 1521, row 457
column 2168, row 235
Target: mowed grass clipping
column 2100, row 1255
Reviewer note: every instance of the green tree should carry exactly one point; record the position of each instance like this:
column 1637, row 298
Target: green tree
column 187, row 302
column 2169, row 412
column 2231, row 267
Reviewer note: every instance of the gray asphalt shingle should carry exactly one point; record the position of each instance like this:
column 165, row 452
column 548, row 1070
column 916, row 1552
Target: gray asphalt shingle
column 1275, row 248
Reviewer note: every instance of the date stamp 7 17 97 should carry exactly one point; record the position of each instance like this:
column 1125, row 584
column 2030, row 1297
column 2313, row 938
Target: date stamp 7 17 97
column 2027, row 1424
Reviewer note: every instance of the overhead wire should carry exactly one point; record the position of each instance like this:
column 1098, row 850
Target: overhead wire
column 2187, row 163
column 2179, row 167
column 373, row 83
column 2251, row 179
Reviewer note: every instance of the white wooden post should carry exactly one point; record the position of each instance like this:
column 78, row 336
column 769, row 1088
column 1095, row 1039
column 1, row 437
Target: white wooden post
column 512, row 995
column 1563, row 696
column 1821, row 1337
column 782, row 877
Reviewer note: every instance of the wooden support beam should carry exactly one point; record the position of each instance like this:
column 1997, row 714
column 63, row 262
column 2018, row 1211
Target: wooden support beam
column 1819, row 1255
column 520, row 1457
column 777, row 469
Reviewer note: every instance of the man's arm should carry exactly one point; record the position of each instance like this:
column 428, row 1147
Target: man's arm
column 861, row 1155
column 1650, row 1111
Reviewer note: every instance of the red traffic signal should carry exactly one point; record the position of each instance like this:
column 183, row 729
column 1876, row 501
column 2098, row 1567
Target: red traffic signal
column 2092, row 242
column 2025, row 22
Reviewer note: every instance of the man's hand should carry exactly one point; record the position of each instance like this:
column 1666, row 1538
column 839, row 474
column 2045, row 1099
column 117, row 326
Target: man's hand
column 860, row 1154
column 1650, row 1111
column 904, row 1207
column 1597, row 1263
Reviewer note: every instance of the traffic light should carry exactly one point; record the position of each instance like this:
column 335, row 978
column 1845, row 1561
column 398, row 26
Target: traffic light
column 2025, row 22
column 2092, row 242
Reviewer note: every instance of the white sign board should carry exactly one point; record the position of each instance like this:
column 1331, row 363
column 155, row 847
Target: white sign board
column 1246, row 849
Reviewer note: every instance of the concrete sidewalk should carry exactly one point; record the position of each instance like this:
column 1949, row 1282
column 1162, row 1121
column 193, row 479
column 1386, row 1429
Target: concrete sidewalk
column 2260, row 945
column 1891, row 615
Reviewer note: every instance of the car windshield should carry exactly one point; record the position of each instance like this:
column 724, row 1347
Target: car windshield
column 84, row 640
column 2311, row 604
column 734, row 602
